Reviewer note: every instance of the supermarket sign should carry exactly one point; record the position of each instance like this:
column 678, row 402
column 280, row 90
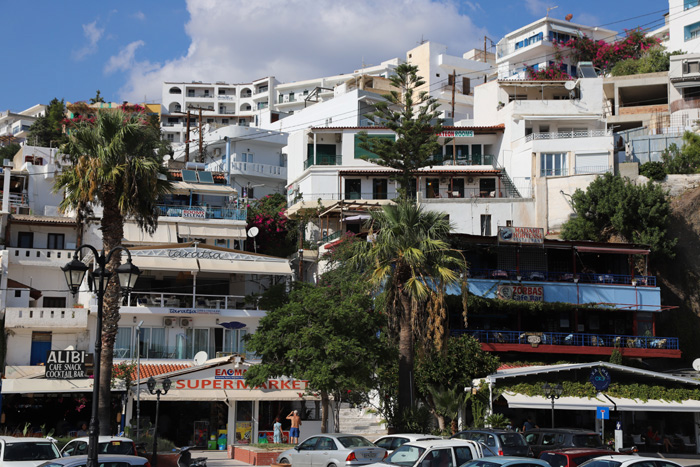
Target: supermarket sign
column 521, row 293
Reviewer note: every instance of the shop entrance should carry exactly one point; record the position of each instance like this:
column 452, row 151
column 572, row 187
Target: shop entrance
column 199, row 424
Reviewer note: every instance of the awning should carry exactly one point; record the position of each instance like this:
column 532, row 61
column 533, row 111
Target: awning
column 45, row 386
column 186, row 188
column 359, row 217
column 225, row 394
column 165, row 233
column 165, row 263
column 622, row 251
column 566, row 29
column 521, row 401
column 245, row 267
column 211, row 231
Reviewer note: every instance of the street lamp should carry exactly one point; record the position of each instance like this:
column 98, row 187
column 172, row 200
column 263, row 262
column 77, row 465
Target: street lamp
column 138, row 378
column 151, row 383
column 75, row 273
column 552, row 393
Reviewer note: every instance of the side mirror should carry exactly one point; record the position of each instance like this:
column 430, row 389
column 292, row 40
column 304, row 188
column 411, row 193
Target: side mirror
column 296, row 448
column 65, row 454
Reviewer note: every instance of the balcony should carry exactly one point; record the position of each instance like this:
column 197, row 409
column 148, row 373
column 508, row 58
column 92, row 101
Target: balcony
column 203, row 212
column 582, row 278
column 474, row 159
column 575, row 343
column 567, row 134
column 46, row 318
column 585, row 170
column 323, row 159
column 39, row 256
column 187, row 303
column 261, row 170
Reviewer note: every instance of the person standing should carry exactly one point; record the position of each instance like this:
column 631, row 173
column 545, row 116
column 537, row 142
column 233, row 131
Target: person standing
column 529, row 424
column 296, row 424
column 277, row 431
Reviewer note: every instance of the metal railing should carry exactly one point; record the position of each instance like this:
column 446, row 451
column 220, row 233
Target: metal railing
column 184, row 350
column 39, row 254
column 331, row 237
column 323, row 159
column 203, row 212
column 568, row 134
column 569, row 338
column 475, row 159
column 548, row 276
column 186, row 300
column 259, row 169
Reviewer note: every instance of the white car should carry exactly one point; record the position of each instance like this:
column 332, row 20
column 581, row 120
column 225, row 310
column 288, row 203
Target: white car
column 434, row 453
column 26, row 452
column 392, row 442
column 107, row 444
column 629, row 461
column 332, row 450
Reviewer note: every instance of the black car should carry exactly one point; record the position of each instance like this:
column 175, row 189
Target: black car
column 546, row 439
column 501, row 442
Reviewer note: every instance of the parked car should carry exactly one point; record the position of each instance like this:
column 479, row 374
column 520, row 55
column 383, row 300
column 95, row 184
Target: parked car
column 546, row 439
column 392, row 442
column 500, row 442
column 434, row 453
column 573, row 457
column 26, row 452
column 107, row 444
column 332, row 450
column 111, row 460
column 628, row 461
column 505, row 461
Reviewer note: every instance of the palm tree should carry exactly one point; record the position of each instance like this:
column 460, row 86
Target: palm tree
column 115, row 163
column 411, row 261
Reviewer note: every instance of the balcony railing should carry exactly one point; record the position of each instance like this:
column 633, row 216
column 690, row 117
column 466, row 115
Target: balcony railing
column 323, row 159
column 547, row 276
column 184, row 350
column 50, row 318
column 24, row 255
column 254, row 168
column 573, row 339
column 203, row 212
column 568, row 134
column 585, row 170
column 186, row 300
column 476, row 159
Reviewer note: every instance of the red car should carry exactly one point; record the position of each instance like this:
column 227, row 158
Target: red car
column 572, row 457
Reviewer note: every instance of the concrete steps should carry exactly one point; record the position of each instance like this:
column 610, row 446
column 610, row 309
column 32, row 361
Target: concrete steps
column 361, row 422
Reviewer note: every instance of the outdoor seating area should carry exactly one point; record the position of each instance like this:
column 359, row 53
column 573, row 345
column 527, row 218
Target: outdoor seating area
column 169, row 300
column 555, row 276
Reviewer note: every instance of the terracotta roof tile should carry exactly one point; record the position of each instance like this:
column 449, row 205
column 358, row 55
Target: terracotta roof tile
column 155, row 369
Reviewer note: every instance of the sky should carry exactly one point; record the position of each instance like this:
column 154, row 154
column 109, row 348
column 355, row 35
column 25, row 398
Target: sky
column 126, row 49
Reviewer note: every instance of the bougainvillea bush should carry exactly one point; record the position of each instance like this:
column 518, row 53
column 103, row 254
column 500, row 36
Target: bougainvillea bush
column 277, row 232
column 605, row 55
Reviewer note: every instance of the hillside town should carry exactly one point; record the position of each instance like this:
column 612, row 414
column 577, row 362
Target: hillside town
column 499, row 241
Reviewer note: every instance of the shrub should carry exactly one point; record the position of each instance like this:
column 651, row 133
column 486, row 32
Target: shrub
column 653, row 170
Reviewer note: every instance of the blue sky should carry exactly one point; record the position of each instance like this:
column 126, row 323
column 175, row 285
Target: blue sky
column 126, row 49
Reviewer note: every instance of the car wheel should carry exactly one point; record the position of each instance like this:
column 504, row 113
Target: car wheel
column 330, row 465
column 284, row 460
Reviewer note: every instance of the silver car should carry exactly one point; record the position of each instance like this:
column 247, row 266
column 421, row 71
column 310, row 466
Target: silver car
column 392, row 442
column 104, row 460
column 332, row 450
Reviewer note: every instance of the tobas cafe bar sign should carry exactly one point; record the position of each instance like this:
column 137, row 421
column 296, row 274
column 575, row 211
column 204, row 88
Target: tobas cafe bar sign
column 66, row 364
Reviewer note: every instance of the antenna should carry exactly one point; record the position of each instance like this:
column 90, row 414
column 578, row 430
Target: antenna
column 252, row 233
column 696, row 364
column 200, row 358
column 549, row 8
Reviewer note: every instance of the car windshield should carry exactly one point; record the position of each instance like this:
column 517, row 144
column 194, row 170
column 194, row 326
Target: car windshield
column 479, row 463
column 405, row 455
column 117, row 447
column 587, row 441
column 354, row 442
column 30, row 451
column 555, row 460
column 602, row 463
column 512, row 440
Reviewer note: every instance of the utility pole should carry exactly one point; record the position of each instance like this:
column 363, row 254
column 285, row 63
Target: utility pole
column 454, row 138
column 201, row 131
column 187, row 139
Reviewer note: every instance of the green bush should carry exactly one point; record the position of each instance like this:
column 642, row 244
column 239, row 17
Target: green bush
column 653, row 170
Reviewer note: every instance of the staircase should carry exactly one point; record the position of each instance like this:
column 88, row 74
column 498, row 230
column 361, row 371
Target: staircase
column 360, row 422
column 508, row 185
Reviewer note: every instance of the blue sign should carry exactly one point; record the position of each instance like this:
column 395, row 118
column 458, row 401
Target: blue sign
column 602, row 413
column 600, row 378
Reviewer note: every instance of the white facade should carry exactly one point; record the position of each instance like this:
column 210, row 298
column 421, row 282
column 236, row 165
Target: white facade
column 534, row 46
column 16, row 124
column 683, row 25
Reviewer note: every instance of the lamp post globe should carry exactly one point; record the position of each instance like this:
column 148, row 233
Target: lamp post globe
column 75, row 273
column 127, row 273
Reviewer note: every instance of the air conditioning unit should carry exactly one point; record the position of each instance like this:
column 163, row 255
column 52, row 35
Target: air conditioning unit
column 169, row 322
column 185, row 322
column 470, row 180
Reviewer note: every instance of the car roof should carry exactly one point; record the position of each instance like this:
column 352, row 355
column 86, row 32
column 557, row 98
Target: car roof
column 429, row 443
column 627, row 457
column 102, row 457
column 582, row 451
column 509, row 459
column 16, row 439
column 410, row 435
column 105, row 439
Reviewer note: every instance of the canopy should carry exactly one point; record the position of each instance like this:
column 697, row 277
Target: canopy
column 186, row 188
column 165, row 233
column 245, row 267
column 521, row 401
column 212, row 231
column 165, row 263
column 46, row 386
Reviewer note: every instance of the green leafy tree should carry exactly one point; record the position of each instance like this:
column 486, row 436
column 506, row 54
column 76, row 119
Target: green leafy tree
column 412, row 115
column 653, row 170
column 8, row 151
column 685, row 160
column 98, row 98
column 452, row 371
column 605, row 55
column 114, row 163
column 47, row 130
column 614, row 208
column 653, row 60
column 326, row 334
column 410, row 259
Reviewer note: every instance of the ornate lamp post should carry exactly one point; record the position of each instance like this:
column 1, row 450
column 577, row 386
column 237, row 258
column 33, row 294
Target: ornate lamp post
column 75, row 273
column 151, row 383
column 552, row 393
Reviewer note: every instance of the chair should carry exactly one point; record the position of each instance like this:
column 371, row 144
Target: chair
column 686, row 444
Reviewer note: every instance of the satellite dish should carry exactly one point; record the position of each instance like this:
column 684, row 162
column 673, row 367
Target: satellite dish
column 570, row 85
column 200, row 358
column 696, row 364
column 253, row 231
column 568, row 17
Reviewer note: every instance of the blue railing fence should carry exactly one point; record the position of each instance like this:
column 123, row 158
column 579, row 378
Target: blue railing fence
column 557, row 276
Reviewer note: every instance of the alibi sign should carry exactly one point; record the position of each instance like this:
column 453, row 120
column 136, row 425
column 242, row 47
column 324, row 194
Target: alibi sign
column 65, row 364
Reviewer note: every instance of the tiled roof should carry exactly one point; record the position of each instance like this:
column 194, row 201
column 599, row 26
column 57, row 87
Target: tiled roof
column 509, row 366
column 155, row 369
column 41, row 219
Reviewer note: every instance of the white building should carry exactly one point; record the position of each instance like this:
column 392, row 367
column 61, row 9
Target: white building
column 220, row 104
column 534, row 46
column 14, row 126
column 682, row 28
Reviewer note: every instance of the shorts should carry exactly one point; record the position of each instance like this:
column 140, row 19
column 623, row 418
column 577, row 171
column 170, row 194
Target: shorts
column 294, row 432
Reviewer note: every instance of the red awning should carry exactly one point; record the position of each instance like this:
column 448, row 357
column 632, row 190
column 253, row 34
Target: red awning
column 622, row 251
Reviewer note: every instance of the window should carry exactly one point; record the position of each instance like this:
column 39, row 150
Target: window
column 224, row 121
column 122, row 343
column 55, row 302
column 379, row 188
column 432, row 187
column 170, row 137
column 688, row 4
column 233, row 340
column 457, row 187
column 190, row 93
column 486, row 225
column 18, row 293
column 222, row 92
column 197, row 341
column 555, row 36
column 552, row 165
column 692, row 31
column 55, row 241
column 353, row 188
column 25, row 240
column 152, row 343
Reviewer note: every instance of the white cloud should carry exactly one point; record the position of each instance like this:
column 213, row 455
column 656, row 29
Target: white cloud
column 139, row 15
column 474, row 6
column 538, row 7
column 93, row 34
column 240, row 41
column 124, row 60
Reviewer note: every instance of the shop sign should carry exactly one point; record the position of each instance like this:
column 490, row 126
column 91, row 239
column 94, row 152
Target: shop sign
column 521, row 293
column 196, row 254
column 457, row 134
column 194, row 213
column 244, row 431
column 234, row 378
column 520, row 235
column 65, row 364
column 600, row 378
column 193, row 311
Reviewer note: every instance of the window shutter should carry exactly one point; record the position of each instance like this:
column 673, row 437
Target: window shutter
column 466, row 86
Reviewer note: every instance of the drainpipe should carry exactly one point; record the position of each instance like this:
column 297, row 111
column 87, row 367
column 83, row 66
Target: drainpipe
column 227, row 159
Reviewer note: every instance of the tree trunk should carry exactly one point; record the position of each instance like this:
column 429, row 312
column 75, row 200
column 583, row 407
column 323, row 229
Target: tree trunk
column 324, row 412
column 112, row 226
column 405, row 354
